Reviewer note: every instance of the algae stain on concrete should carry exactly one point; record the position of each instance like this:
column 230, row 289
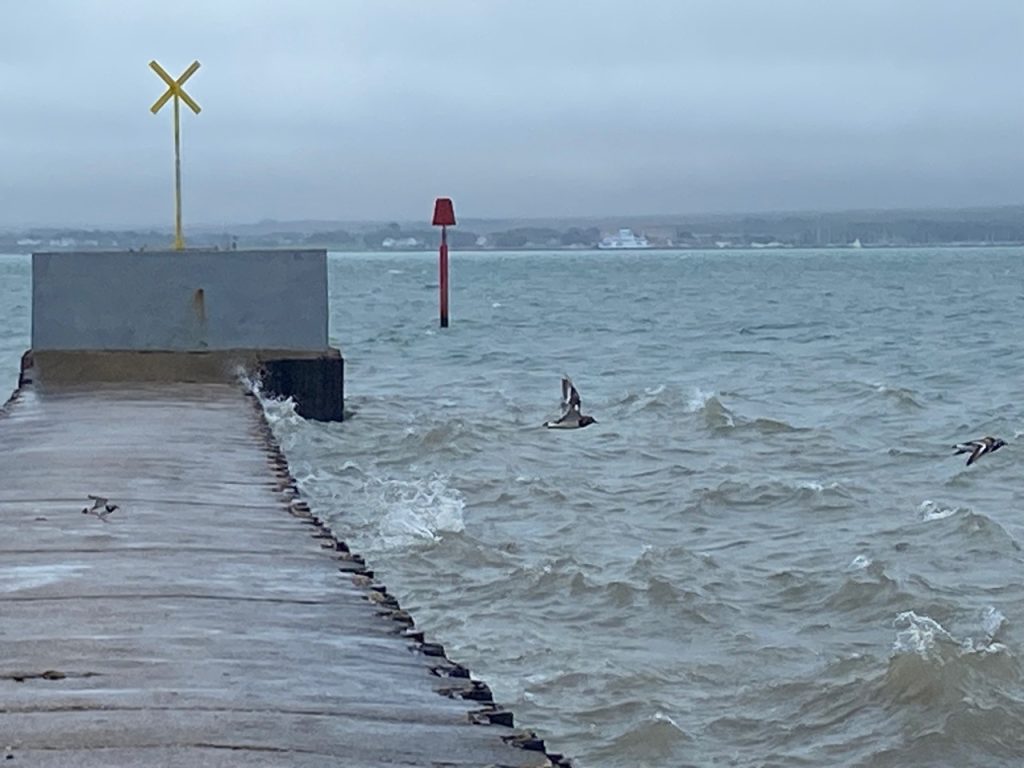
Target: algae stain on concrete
column 199, row 315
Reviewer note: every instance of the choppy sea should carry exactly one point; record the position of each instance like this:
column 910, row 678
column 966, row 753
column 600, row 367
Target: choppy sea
column 763, row 554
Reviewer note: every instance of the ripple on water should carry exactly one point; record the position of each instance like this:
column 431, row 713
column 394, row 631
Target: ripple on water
column 714, row 573
column 655, row 739
column 773, row 493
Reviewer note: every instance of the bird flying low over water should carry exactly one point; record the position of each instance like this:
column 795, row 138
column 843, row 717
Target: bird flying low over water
column 572, row 417
column 101, row 507
column 978, row 448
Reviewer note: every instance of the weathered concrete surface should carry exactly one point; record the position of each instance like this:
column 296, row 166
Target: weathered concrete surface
column 188, row 316
column 180, row 300
column 211, row 620
column 315, row 380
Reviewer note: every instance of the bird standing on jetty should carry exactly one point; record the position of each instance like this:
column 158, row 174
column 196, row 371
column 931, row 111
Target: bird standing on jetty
column 101, row 507
column 978, row 448
column 572, row 418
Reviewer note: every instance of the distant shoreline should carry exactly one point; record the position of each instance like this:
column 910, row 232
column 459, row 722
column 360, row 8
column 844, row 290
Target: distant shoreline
column 683, row 248
column 871, row 230
column 540, row 249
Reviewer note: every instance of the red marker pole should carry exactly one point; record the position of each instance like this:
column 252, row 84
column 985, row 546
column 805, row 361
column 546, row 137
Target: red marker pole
column 444, row 276
column 444, row 217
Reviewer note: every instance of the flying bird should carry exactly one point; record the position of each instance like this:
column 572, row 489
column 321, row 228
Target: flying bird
column 101, row 507
column 979, row 448
column 572, row 417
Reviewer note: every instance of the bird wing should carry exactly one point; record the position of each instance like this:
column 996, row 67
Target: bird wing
column 98, row 501
column 570, row 395
column 969, row 445
column 979, row 450
column 567, row 420
column 570, row 405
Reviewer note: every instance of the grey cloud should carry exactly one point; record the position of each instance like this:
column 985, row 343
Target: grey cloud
column 369, row 109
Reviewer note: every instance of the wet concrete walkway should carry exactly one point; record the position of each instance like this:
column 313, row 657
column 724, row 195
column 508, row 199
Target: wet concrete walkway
column 211, row 620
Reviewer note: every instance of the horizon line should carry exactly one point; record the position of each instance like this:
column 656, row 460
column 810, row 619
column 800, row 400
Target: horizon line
column 425, row 220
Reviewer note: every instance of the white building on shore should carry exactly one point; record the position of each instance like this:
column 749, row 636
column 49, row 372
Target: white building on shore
column 624, row 239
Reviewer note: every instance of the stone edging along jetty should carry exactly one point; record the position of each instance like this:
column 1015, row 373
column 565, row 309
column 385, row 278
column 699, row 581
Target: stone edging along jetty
column 198, row 626
column 456, row 678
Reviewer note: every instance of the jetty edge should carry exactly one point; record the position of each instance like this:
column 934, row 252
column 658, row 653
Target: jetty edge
column 214, row 618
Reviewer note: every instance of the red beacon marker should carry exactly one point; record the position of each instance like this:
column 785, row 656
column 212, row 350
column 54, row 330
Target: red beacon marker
column 444, row 217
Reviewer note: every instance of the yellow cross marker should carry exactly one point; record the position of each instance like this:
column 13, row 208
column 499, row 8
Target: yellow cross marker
column 175, row 91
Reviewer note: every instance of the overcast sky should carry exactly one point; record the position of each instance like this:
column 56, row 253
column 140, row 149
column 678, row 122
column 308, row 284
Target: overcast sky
column 355, row 109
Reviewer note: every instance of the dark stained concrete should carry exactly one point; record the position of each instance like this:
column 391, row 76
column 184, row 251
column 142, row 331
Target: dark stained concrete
column 212, row 620
column 314, row 379
column 317, row 385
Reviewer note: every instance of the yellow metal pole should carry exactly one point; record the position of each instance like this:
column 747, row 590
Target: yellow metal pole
column 176, row 92
column 179, row 240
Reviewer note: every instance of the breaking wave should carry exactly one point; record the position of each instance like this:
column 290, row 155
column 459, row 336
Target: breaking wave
column 933, row 510
column 931, row 665
column 414, row 511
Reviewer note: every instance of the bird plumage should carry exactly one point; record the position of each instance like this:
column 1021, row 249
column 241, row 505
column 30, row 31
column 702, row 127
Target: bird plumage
column 101, row 507
column 572, row 416
column 978, row 448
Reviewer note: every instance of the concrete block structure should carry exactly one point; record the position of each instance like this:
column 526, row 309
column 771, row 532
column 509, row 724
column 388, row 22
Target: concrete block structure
column 187, row 316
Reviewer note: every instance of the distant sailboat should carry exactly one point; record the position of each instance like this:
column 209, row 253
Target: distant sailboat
column 856, row 243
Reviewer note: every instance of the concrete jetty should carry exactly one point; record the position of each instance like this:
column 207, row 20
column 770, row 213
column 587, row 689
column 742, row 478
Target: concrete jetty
column 213, row 618
column 111, row 316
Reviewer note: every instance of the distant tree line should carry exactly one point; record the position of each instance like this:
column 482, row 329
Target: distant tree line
column 395, row 237
column 987, row 226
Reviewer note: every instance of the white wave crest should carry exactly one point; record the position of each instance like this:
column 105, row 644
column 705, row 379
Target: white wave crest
column 412, row 511
column 280, row 411
column 287, row 425
column 930, row 510
column 924, row 636
column 918, row 634
column 251, row 383
column 662, row 717
column 992, row 620
column 699, row 399
column 820, row 487
column 860, row 562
